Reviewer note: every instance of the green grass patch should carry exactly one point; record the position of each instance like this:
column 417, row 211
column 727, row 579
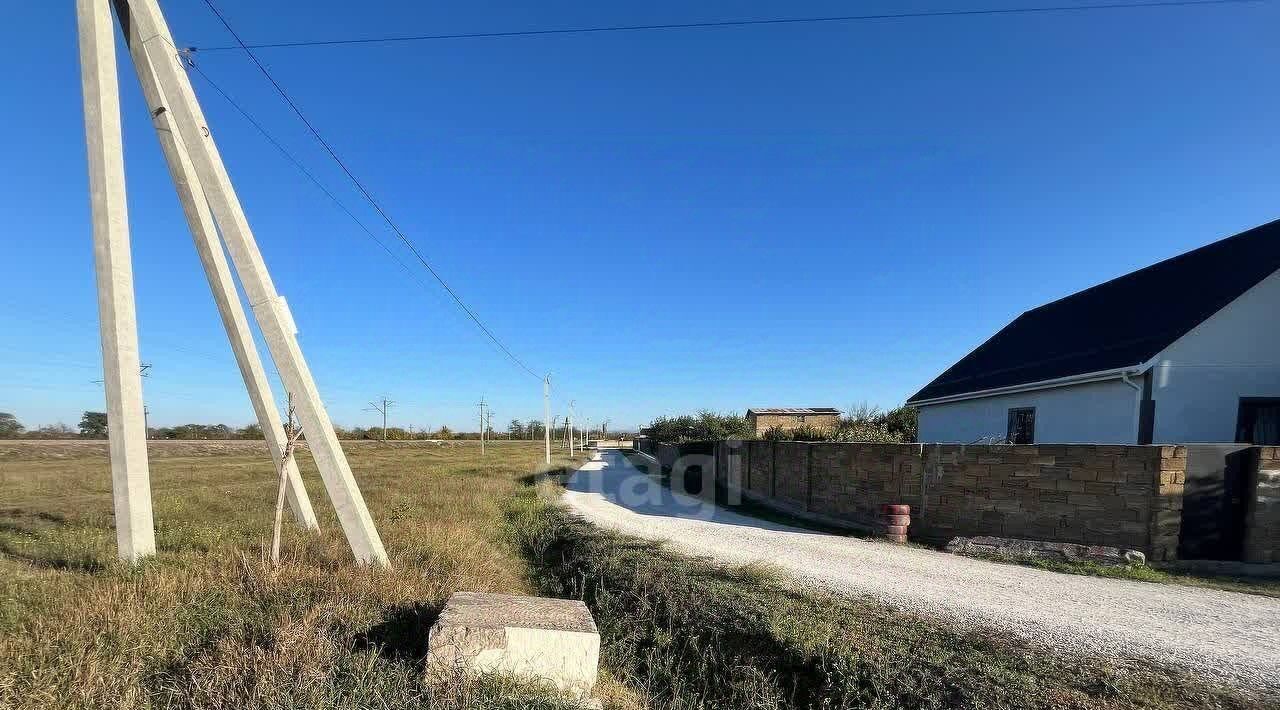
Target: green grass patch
column 1145, row 573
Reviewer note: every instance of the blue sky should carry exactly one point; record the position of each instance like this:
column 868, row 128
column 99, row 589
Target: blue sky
column 799, row 215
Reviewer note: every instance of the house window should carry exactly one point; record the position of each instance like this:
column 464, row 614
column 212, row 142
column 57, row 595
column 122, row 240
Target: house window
column 1022, row 425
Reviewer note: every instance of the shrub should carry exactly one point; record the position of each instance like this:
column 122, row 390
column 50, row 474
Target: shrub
column 705, row 426
column 804, row 432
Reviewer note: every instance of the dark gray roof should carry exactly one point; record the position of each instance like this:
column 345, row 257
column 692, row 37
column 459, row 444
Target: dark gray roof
column 1121, row 323
column 795, row 410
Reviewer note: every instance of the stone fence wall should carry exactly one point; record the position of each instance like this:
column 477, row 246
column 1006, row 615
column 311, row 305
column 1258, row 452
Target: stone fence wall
column 1121, row 496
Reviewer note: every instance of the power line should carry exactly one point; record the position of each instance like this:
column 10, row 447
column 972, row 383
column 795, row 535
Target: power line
column 303, row 169
column 257, row 125
column 723, row 24
column 368, row 196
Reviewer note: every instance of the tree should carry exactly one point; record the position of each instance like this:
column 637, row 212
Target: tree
column 444, row 433
column 10, row 426
column 93, row 425
column 250, row 431
column 516, row 429
column 54, row 431
column 903, row 422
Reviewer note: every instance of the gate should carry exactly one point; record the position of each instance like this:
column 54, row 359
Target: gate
column 1214, row 501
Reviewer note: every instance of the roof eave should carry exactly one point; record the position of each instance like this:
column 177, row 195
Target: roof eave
column 1084, row 378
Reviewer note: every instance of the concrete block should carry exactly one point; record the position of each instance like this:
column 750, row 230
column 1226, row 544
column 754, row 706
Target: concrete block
column 551, row 640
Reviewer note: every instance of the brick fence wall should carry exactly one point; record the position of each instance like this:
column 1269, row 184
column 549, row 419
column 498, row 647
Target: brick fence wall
column 1120, row 496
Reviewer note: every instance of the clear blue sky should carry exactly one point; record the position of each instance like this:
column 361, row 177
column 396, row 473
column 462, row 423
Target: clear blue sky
column 799, row 215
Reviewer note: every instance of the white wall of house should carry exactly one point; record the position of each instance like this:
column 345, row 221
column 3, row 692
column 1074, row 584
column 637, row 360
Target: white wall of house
column 1199, row 379
column 1092, row 413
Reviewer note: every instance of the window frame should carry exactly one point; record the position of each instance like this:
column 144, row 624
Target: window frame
column 1011, row 429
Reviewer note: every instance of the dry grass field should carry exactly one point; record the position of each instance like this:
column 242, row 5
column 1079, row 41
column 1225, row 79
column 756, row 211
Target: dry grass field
column 207, row 623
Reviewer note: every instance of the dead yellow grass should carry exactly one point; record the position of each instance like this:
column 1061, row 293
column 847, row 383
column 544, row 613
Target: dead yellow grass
column 209, row 624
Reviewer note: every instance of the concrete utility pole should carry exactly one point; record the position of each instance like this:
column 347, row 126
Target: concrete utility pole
column 546, row 417
column 482, row 426
column 126, row 423
column 269, row 308
column 386, row 404
column 218, row 273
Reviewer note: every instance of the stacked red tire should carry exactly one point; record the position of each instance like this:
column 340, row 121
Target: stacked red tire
column 894, row 522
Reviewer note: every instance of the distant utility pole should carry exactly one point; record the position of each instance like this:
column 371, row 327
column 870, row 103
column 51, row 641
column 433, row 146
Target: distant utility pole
column 481, row 405
column 386, row 404
column 568, row 422
column 546, row 417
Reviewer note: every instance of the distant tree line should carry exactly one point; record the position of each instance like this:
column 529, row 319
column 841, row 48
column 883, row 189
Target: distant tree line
column 861, row 423
column 93, row 425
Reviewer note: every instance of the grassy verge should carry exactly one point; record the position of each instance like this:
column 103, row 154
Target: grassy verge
column 691, row 634
column 208, row 624
column 1245, row 585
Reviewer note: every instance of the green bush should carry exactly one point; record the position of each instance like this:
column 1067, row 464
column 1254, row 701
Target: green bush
column 705, row 426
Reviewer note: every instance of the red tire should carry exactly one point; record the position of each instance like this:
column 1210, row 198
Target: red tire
column 893, row 509
column 903, row 520
column 892, row 530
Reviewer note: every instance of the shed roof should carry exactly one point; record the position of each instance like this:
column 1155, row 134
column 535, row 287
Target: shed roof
column 1121, row 323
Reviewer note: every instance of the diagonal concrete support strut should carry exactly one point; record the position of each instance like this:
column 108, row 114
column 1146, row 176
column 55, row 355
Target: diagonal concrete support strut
column 207, row 243
column 269, row 308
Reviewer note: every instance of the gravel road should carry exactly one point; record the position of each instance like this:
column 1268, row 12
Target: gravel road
column 1230, row 637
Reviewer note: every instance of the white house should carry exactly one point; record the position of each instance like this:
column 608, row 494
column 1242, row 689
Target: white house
column 1186, row 350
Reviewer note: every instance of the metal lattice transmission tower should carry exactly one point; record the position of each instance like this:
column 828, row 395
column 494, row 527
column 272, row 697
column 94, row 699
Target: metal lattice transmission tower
column 216, row 219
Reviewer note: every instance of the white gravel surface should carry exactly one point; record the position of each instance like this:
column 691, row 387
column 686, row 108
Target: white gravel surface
column 1229, row 637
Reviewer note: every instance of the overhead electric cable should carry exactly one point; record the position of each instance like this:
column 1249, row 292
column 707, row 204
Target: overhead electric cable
column 369, row 196
column 303, row 169
column 728, row 23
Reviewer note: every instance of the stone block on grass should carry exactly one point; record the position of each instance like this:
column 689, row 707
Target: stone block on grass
column 554, row 641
